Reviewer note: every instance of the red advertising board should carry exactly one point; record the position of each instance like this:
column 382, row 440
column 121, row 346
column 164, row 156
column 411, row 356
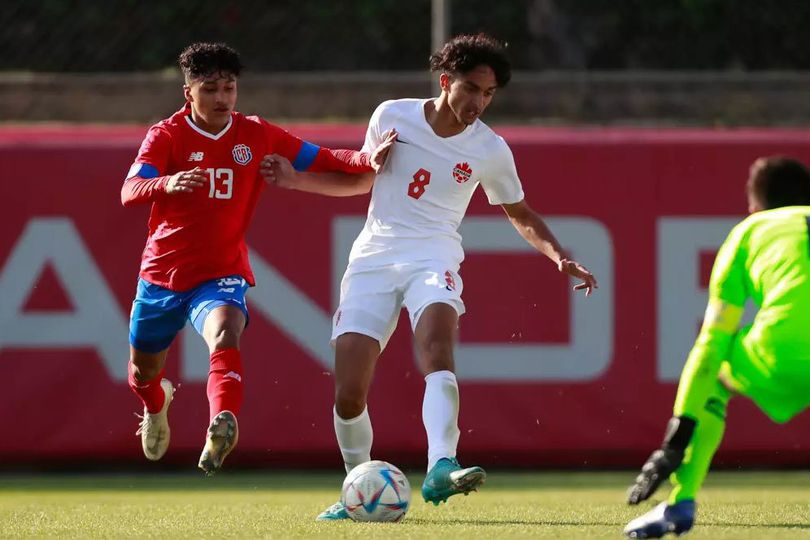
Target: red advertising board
column 547, row 378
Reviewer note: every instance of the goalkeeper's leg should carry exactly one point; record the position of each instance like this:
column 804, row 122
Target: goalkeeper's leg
column 687, row 451
column 688, row 467
column 688, row 478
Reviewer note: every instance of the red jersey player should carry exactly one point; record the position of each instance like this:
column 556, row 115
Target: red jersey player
column 199, row 169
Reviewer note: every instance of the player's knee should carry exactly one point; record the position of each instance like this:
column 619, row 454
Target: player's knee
column 144, row 371
column 350, row 401
column 224, row 337
column 436, row 355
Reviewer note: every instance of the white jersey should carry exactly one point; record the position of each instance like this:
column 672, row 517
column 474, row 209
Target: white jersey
column 419, row 199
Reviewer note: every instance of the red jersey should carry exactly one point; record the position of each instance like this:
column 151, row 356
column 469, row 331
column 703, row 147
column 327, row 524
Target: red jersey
column 199, row 236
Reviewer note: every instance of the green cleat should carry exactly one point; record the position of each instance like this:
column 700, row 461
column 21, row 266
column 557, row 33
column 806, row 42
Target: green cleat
column 447, row 478
column 333, row 513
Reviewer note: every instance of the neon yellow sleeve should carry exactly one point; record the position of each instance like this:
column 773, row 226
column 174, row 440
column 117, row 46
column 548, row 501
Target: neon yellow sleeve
column 727, row 295
column 729, row 273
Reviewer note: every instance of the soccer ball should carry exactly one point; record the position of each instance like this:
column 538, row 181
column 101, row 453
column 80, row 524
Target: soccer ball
column 376, row 491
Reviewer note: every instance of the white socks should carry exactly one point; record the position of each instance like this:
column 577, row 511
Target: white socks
column 440, row 415
column 354, row 437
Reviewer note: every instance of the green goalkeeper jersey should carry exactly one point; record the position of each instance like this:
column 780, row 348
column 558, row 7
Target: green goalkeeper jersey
column 767, row 258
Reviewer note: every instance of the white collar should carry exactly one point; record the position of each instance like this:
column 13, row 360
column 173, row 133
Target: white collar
column 196, row 128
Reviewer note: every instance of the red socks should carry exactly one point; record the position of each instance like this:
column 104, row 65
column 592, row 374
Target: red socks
column 150, row 392
column 225, row 392
column 224, row 389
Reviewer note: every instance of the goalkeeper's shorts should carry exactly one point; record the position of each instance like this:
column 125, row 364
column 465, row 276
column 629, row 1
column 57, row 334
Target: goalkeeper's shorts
column 779, row 386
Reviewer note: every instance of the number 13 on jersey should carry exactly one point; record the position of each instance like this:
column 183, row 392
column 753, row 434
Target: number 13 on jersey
column 224, row 177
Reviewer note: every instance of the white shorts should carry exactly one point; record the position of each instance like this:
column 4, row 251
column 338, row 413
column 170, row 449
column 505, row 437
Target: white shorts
column 371, row 298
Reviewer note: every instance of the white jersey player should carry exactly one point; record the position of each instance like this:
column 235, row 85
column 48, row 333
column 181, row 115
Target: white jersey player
column 409, row 251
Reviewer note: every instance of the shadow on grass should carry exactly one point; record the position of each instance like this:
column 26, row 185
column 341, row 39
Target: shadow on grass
column 618, row 524
column 756, row 525
column 500, row 522
column 171, row 482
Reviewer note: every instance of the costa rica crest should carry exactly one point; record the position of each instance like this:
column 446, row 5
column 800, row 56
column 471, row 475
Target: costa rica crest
column 242, row 154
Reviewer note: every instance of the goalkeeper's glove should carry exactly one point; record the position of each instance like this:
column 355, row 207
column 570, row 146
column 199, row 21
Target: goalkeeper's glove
column 663, row 461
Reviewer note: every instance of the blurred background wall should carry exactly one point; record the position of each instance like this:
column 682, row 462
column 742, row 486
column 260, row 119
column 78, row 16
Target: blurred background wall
column 676, row 62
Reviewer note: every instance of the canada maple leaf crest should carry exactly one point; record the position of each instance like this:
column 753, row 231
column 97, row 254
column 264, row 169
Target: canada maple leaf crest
column 462, row 172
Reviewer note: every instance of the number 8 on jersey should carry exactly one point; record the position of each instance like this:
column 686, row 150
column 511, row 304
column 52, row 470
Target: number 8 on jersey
column 421, row 178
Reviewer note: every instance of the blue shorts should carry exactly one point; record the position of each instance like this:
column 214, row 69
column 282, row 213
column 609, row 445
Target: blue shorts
column 158, row 314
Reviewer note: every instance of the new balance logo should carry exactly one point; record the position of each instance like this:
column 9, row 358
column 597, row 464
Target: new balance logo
column 234, row 375
column 196, row 156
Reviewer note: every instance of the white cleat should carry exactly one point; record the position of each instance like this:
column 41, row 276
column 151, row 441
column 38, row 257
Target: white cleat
column 221, row 438
column 663, row 519
column 154, row 428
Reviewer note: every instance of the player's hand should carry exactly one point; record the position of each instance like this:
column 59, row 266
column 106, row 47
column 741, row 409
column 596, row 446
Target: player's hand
column 186, row 181
column 658, row 467
column 278, row 171
column 380, row 154
column 576, row 270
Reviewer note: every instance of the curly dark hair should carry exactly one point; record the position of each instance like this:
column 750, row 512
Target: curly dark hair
column 464, row 53
column 778, row 181
column 200, row 60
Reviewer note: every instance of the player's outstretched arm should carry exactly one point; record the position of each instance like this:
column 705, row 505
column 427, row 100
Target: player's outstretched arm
column 277, row 170
column 328, row 160
column 313, row 158
column 534, row 230
column 138, row 190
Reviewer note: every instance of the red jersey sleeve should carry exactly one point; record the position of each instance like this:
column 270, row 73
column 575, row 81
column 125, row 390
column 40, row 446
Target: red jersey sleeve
column 147, row 177
column 306, row 156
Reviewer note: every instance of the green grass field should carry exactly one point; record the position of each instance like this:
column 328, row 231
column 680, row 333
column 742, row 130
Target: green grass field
column 283, row 505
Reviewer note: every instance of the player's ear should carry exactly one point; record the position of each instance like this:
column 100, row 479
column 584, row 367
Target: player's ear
column 187, row 93
column 444, row 81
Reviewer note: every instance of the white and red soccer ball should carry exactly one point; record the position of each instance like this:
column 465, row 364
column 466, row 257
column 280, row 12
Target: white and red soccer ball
column 376, row 491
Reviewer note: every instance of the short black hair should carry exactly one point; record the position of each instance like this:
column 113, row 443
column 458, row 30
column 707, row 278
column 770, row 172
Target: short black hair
column 777, row 181
column 464, row 53
column 200, row 60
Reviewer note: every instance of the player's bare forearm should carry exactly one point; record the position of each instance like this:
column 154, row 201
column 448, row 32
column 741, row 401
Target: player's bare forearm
column 534, row 230
column 278, row 171
column 333, row 184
